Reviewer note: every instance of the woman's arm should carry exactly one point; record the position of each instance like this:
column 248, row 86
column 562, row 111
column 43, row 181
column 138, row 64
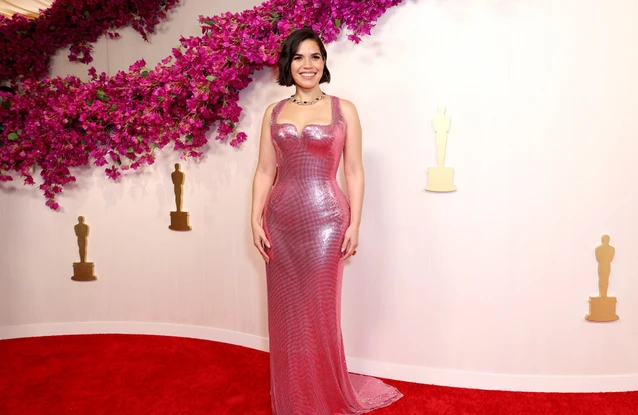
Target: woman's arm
column 262, row 183
column 353, row 169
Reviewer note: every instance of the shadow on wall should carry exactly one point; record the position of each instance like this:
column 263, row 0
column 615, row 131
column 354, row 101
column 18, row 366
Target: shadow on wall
column 371, row 290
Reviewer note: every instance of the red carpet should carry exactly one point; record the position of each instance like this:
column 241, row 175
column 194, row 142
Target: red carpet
column 138, row 375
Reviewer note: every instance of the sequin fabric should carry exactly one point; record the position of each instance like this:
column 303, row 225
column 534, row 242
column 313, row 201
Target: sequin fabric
column 305, row 218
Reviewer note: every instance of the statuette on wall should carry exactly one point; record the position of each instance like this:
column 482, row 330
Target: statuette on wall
column 441, row 178
column 603, row 308
column 179, row 219
column 83, row 271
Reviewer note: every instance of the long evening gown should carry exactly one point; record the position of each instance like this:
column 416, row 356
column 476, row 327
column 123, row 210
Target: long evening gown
column 305, row 218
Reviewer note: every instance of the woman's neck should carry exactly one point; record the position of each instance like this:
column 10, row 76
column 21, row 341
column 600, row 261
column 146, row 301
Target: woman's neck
column 308, row 94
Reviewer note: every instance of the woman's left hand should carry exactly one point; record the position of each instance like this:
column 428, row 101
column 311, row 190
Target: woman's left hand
column 350, row 242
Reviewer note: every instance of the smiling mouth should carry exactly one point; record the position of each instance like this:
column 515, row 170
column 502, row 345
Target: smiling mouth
column 307, row 75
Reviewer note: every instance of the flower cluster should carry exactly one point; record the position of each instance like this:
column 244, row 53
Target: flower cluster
column 27, row 45
column 118, row 121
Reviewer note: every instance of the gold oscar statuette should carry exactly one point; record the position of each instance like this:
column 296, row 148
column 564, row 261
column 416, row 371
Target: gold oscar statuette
column 440, row 178
column 603, row 308
column 83, row 271
column 179, row 219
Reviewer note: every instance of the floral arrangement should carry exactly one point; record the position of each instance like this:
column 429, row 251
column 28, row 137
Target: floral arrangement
column 119, row 121
column 26, row 45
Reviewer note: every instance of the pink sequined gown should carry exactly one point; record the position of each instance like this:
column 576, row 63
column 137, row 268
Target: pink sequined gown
column 305, row 218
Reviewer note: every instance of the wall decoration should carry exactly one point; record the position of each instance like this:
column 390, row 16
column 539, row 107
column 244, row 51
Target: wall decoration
column 58, row 124
column 440, row 178
column 30, row 41
column 83, row 271
column 179, row 218
column 603, row 308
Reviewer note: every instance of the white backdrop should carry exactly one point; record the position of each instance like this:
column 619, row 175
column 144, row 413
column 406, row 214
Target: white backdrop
column 486, row 287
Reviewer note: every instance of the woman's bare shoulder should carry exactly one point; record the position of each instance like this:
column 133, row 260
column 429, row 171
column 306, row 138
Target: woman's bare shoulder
column 348, row 107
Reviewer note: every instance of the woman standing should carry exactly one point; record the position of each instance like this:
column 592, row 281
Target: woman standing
column 305, row 227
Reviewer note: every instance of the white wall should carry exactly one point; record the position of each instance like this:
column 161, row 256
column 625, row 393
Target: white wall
column 486, row 287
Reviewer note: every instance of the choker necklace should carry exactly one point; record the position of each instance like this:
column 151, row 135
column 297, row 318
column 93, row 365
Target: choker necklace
column 296, row 101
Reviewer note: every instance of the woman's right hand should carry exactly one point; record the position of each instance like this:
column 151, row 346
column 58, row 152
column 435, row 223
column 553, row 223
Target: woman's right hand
column 260, row 241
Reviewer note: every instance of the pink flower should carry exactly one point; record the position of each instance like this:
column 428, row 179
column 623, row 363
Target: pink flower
column 58, row 124
column 74, row 23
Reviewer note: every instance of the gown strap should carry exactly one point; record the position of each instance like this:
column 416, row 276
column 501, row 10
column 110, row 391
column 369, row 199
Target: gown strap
column 337, row 113
column 276, row 110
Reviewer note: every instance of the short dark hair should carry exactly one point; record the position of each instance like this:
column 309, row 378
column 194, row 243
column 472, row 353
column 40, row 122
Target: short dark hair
column 291, row 44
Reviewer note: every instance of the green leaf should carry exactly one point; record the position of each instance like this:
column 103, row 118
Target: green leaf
column 144, row 74
column 100, row 95
column 113, row 107
column 154, row 145
column 83, row 142
column 209, row 22
column 140, row 138
column 130, row 150
column 13, row 137
column 337, row 23
column 52, row 28
column 210, row 78
column 19, row 132
column 86, row 13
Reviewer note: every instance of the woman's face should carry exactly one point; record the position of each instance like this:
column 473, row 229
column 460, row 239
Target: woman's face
column 307, row 65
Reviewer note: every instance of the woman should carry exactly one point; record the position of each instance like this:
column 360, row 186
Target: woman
column 309, row 229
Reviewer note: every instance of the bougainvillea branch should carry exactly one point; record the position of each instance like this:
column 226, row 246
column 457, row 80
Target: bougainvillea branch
column 27, row 45
column 119, row 121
